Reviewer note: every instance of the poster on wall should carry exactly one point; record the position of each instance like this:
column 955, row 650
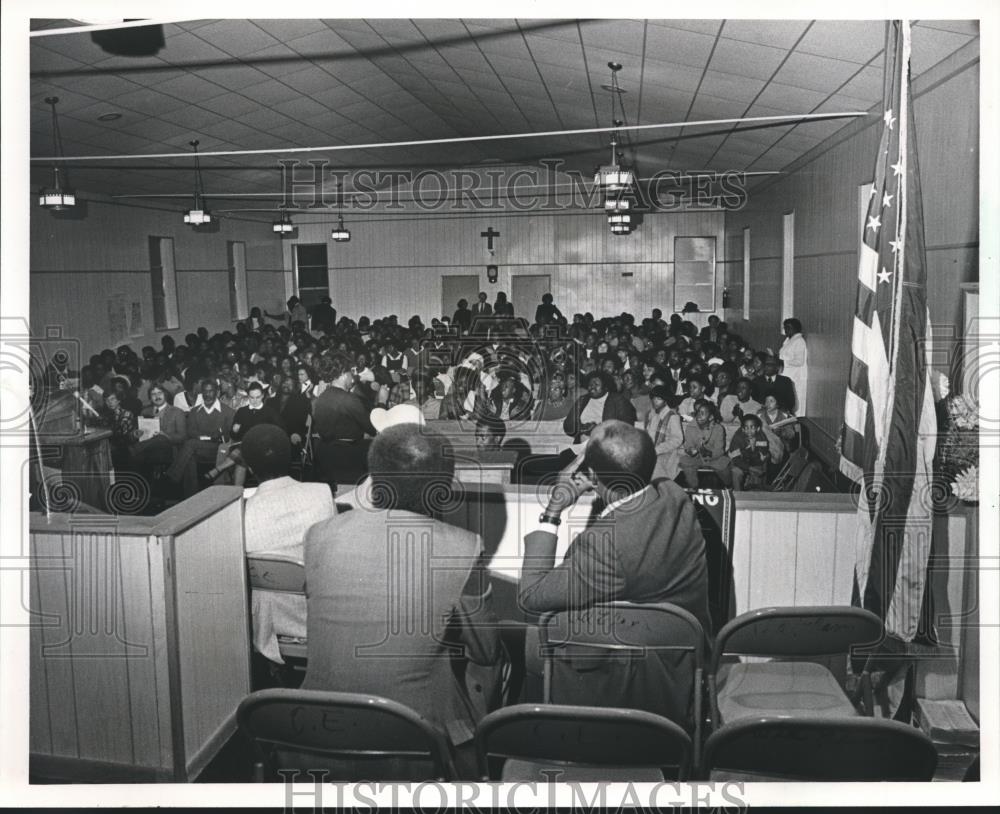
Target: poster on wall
column 117, row 320
column 135, row 320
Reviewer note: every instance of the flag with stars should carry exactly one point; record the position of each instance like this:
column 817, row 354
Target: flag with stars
column 888, row 440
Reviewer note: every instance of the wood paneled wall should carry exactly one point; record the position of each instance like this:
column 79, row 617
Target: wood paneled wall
column 77, row 264
column 823, row 193
column 394, row 263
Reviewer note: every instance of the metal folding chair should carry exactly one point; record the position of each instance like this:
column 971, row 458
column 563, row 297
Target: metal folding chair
column 351, row 736
column 819, row 749
column 536, row 742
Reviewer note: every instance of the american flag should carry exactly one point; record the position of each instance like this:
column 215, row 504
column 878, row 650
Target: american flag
column 889, row 421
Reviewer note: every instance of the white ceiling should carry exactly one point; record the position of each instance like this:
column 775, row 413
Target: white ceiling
column 262, row 84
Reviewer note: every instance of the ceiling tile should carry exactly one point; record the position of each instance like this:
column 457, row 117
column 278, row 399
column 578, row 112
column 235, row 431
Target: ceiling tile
column 187, row 47
column 43, row 59
column 671, row 75
column 556, row 52
column 276, row 60
column 233, row 105
column 233, row 77
column 308, row 80
column 189, row 87
column 194, row 118
column 299, row 107
column 789, row 98
column 285, row 30
column 731, row 86
column 852, row 40
column 621, row 36
column 779, row 33
column 931, row 45
column 682, row 47
column 324, row 43
column 866, row 84
column 712, row 107
column 746, row 58
column 699, row 26
column 236, row 37
column 815, row 73
column 970, row 27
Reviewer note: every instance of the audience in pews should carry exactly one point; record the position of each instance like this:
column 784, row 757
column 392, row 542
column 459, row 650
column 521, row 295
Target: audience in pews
column 322, row 378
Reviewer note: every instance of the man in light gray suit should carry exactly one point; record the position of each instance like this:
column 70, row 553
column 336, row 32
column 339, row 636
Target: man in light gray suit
column 398, row 601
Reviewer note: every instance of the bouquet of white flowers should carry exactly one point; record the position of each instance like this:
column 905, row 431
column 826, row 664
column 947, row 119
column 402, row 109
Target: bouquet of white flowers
column 958, row 447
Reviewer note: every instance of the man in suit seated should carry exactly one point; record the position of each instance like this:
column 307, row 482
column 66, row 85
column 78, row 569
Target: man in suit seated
column 772, row 383
column 643, row 544
column 399, row 604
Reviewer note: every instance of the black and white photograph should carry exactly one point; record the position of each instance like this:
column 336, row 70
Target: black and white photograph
column 420, row 408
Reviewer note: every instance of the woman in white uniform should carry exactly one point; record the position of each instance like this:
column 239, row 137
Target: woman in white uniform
column 795, row 356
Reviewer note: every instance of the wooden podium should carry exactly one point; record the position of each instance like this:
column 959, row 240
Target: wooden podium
column 140, row 640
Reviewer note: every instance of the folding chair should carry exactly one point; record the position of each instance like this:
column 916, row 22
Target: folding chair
column 819, row 749
column 531, row 742
column 364, row 737
column 786, row 689
column 787, row 475
column 646, row 657
column 272, row 572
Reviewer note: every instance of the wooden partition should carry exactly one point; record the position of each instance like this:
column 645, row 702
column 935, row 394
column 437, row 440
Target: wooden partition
column 140, row 640
column 787, row 549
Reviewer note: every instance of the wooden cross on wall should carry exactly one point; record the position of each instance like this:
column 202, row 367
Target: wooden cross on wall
column 489, row 234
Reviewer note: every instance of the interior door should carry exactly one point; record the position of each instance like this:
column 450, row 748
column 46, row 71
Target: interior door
column 526, row 292
column 455, row 287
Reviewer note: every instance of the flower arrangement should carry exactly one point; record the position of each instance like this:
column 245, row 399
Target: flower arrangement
column 958, row 447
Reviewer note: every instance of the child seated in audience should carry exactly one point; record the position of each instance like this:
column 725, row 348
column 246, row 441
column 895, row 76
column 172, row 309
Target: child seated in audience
column 704, row 446
column 750, row 452
column 663, row 425
column 770, row 414
column 697, row 387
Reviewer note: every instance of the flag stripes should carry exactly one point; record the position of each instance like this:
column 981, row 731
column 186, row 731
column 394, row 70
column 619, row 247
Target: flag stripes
column 889, row 423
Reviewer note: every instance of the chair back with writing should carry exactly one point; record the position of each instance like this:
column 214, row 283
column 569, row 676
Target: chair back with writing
column 820, row 749
column 805, row 631
column 273, row 572
column 303, row 725
column 552, row 740
column 649, row 657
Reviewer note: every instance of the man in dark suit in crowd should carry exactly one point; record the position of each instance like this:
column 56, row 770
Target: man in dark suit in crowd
column 324, row 316
column 341, row 419
column 774, row 384
column 482, row 308
column 713, row 331
column 643, row 544
column 655, row 552
column 398, row 602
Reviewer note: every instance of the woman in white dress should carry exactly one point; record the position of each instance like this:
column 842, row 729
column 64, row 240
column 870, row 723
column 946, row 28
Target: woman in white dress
column 795, row 356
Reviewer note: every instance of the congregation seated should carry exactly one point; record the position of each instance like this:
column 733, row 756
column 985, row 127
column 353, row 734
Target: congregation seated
column 580, row 371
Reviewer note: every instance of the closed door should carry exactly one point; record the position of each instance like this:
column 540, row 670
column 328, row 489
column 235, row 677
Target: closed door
column 526, row 292
column 455, row 287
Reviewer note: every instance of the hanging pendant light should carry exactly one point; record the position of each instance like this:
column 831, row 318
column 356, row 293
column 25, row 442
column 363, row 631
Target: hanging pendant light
column 56, row 199
column 615, row 180
column 283, row 226
column 340, row 234
column 199, row 214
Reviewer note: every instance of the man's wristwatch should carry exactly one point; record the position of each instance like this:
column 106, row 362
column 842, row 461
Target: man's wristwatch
column 553, row 519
